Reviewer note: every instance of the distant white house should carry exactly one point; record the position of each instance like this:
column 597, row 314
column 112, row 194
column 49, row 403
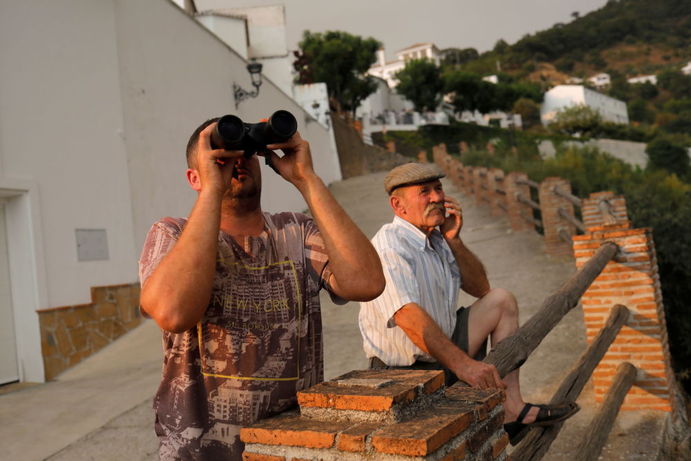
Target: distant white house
column 643, row 79
column 491, row 79
column 602, row 80
column 562, row 96
column 686, row 70
column 387, row 70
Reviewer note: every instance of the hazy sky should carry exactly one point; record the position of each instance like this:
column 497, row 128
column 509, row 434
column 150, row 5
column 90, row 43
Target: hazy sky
column 400, row 23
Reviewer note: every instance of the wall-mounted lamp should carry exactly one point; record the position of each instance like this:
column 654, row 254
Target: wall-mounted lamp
column 239, row 93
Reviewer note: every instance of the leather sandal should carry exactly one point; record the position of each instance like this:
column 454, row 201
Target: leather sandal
column 546, row 416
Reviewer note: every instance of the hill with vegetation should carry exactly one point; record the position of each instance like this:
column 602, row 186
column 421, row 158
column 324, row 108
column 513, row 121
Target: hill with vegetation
column 631, row 37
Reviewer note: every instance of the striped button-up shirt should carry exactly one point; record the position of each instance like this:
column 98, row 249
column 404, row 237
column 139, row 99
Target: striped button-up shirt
column 418, row 269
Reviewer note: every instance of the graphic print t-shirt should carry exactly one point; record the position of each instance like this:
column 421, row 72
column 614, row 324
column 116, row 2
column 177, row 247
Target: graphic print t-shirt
column 258, row 343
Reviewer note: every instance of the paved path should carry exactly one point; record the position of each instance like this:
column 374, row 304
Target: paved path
column 101, row 409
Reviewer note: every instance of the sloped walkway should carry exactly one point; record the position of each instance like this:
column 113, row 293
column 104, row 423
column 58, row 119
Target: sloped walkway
column 101, row 408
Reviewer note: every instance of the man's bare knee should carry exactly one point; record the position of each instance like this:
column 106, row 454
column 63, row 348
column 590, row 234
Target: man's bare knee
column 503, row 299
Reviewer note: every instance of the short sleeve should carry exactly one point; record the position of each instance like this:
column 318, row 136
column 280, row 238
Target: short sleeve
column 159, row 241
column 317, row 257
column 401, row 284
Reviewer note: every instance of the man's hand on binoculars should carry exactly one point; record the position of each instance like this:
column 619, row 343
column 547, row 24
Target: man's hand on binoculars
column 215, row 166
column 296, row 164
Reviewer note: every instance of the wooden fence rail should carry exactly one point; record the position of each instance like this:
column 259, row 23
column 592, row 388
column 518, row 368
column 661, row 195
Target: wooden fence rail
column 539, row 439
column 512, row 352
column 596, row 436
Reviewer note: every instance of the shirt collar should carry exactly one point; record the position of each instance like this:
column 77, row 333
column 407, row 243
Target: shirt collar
column 415, row 235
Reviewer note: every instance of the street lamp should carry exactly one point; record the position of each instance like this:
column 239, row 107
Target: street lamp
column 240, row 94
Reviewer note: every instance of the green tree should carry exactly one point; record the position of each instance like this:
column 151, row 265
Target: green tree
column 529, row 111
column 457, row 56
column 420, row 82
column 639, row 112
column 463, row 88
column 663, row 153
column 578, row 120
column 675, row 82
column 340, row 60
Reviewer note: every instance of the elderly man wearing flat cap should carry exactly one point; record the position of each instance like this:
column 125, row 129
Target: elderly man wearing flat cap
column 416, row 323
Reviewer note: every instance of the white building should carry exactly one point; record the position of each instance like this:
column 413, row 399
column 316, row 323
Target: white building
column 643, row 79
column 257, row 33
column 562, row 96
column 98, row 99
column 602, row 80
column 387, row 70
column 686, row 70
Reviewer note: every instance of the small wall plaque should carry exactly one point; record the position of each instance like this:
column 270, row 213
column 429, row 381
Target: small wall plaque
column 92, row 244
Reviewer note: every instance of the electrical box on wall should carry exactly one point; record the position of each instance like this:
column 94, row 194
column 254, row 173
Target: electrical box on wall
column 92, row 244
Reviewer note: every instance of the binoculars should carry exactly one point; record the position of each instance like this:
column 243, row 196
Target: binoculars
column 231, row 133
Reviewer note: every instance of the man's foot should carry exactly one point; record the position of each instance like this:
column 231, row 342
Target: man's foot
column 547, row 415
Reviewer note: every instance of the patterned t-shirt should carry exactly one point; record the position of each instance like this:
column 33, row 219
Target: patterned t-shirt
column 258, row 343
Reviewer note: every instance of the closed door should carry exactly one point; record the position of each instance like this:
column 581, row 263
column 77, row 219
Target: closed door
column 8, row 345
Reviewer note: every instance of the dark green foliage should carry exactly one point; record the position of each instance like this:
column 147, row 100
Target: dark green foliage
column 529, row 111
column 580, row 120
column 639, row 111
column 678, row 84
column 585, row 122
column 471, row 92
column 649, row 22
column 665, row 154
column 340, row 60
column 456, row 56
column 420, row 82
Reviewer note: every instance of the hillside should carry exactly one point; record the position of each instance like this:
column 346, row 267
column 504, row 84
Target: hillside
column 631, row 37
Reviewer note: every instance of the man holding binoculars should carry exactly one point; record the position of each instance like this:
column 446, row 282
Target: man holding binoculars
column 236, row 290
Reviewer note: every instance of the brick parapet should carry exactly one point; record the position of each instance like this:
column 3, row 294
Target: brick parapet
column 519, row 213
column 553, row 223
column 480, row 189
column 592, row 213
column 495, row 183
column 632, row 280
column 415, row 418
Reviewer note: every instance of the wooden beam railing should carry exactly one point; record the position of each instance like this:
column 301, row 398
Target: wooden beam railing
column 578, row 224
column 531, row 203
column 528, row 182
column 570, row 197
column 596, row 436
column 539, row 439
column 513, row 351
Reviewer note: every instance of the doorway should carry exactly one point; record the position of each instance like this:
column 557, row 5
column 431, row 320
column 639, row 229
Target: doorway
column 9, row 371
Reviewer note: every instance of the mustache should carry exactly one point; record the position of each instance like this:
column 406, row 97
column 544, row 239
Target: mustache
column 434, row 206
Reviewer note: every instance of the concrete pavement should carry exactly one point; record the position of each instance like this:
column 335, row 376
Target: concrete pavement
column 101, row 409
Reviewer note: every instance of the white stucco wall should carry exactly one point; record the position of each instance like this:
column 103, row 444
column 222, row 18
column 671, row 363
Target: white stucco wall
column 266, row 32
column 232, row 31
column 61, row 135
column 175, row 75
column 562, row 96
column 97, row 101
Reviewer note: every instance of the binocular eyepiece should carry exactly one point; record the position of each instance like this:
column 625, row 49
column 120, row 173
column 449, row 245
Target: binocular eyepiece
column 231, row 133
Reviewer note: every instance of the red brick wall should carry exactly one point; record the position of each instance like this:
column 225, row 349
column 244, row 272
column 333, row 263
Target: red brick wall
column 373, row 414
column 631, row 280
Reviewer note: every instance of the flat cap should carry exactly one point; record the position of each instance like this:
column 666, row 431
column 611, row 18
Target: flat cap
column 411, row 173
